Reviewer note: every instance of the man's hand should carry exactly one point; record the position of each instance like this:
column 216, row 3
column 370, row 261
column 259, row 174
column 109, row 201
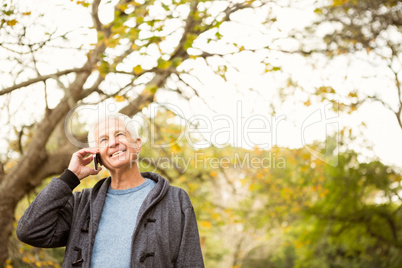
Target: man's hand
column 80, row 160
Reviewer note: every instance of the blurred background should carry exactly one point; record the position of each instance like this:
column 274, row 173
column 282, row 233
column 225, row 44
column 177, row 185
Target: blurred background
column 281, row 119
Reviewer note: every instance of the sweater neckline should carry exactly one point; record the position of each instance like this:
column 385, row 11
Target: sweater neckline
column 130, row 190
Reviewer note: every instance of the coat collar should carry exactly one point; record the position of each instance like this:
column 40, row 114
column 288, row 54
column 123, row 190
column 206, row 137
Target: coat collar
column 98, row 197
column 99, row 191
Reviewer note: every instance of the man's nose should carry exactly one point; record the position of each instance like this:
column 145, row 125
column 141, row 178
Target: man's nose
column 113, row 142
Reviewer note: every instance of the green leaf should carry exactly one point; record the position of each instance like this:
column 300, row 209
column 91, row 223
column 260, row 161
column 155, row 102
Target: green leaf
column 164, row 64
column 177, row 61
column 101, row 36
column 318, row 11
column 189, row 41
column 165, row 7
column 8, row 12
column 151, row 88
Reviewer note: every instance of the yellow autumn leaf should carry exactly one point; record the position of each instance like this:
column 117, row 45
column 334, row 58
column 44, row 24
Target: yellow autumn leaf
column 111, row 42
column 352, row 95
column 216, row 216
column 175, row 147
column 119, row 98
column 11, row 22
column 137, row 69
column 83, row 3
column 339, row 2
column 206, row 224
column 122, row 7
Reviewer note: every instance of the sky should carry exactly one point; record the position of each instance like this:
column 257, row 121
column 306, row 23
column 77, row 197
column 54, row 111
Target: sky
column 242, row 111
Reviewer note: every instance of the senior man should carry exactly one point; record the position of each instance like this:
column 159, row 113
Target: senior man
column 130, row 219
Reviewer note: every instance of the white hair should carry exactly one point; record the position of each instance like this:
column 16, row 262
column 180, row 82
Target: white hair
column 128, row 124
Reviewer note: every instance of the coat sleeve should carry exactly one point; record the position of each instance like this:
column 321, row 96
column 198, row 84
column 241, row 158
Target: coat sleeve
column 190, row 254
column 47, row 221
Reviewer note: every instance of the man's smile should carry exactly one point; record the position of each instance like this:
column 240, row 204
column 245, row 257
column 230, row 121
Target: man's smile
column 117, row 153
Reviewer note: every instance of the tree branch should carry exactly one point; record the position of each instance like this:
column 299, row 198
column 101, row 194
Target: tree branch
column 55, row 163
column 39, row 79
column 95, row 15
column 187, row 29
column 147, row 95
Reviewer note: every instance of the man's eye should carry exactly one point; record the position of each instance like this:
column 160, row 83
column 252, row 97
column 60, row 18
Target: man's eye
column 120, row 133
column 102, row 140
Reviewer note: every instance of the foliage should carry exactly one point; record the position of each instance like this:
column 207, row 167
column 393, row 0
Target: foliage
column 272, row 208
column 355, row 223
column 255, row 208
column 367, row 33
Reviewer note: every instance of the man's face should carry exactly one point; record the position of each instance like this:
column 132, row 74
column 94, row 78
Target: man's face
column 117, row 147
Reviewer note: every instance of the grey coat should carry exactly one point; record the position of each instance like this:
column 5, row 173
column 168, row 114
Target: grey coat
column 166, row 233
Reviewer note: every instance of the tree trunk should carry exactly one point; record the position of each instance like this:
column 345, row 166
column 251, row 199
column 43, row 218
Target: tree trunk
column 7, row 207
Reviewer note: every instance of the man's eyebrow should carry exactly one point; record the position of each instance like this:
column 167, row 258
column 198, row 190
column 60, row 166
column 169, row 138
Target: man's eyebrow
column 101, row 136
column 116, row 131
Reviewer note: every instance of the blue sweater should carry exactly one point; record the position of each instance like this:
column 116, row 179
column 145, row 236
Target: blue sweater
column 116, row 226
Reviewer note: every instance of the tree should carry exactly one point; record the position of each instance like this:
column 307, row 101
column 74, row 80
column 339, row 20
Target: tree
column 368, row 32
column 131, row 58
column 344, row 216
column 355, row 223
column 345, row 226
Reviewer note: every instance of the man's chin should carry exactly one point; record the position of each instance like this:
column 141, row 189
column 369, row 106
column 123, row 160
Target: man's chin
column 118, row 163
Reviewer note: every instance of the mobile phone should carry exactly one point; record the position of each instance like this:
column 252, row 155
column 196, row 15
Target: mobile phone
column 97, row 161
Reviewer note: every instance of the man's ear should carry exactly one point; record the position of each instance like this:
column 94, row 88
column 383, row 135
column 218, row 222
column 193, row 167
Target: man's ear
column 139, row 144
